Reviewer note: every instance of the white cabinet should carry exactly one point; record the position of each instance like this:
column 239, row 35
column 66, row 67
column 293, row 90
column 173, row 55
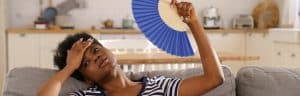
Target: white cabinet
column 125, row 42
column 48, row 44
column 228, row 42
column 286, row 47
column 276, row 54
column 23, row 50
column 259, row 44
column 286, row 54
column 34, row 49
column 225, row 42
column 287, row 35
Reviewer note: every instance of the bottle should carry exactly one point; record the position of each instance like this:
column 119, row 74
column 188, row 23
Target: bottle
column 127, row 23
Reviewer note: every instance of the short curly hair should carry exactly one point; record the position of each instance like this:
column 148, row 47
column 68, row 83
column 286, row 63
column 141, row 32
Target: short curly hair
column 60, row 56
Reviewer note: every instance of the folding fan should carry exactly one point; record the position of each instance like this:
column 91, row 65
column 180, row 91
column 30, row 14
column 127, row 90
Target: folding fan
column 161, row 24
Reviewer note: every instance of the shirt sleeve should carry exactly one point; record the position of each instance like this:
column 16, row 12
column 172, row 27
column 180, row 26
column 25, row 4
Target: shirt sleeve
column 76, row 93
column 91, row 91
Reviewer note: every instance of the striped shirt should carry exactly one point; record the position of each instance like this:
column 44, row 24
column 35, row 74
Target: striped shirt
column 156, row 86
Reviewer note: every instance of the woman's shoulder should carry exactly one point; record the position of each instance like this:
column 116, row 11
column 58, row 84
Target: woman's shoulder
column 161, row 78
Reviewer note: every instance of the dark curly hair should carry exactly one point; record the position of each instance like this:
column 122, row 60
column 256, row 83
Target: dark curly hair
column 60, row 57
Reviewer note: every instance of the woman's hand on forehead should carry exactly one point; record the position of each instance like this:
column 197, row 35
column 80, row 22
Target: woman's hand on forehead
column 75, row 54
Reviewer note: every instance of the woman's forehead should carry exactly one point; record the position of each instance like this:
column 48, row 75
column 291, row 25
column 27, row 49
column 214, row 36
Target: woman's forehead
column 88, row 51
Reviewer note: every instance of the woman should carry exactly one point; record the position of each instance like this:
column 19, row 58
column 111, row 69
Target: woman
column 85, row 59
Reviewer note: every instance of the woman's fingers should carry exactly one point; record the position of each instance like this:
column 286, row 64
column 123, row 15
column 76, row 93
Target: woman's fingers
column 89, row 42
column 173, row 2
column 81, row 45
column 77, row 42
column 184, row 8
column 179, row 6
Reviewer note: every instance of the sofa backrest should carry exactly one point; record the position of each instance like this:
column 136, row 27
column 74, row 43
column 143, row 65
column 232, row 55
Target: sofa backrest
column 25, row 81
column 226, row 89
column 268, row 81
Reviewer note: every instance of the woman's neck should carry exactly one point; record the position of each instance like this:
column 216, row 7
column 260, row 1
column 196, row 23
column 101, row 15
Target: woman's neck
column 115, row 81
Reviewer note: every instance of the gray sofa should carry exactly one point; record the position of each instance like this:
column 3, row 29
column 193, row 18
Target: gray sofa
column 250, row 81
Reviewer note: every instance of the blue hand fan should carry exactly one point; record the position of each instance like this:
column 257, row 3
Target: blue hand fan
column 161, row 24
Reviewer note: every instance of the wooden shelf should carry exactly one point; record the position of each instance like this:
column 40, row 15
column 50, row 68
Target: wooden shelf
column 163, row 58
column 102, row 31
column 237, row 30
column 123, row 31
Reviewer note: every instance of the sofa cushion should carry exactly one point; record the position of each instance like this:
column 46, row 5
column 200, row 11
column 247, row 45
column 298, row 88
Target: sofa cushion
column 268, row 81
column 25, row 81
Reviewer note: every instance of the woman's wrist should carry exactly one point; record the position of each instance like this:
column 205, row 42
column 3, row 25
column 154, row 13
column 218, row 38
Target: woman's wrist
column 193, row 20
column 66, row 72
column 70, row 68
column 194, row 23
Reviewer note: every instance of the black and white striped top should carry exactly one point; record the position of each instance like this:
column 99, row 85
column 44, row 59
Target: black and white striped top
column 156, row 86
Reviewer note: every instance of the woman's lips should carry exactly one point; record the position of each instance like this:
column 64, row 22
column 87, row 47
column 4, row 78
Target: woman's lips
column 103, row 62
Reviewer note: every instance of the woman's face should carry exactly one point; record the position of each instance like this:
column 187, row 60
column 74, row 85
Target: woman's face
column 98, row 62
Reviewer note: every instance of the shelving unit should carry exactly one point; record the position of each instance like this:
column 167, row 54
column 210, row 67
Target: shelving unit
column 123, row 31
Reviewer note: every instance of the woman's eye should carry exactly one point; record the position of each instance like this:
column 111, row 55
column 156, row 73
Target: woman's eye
column 85, row 63
column 95, row 50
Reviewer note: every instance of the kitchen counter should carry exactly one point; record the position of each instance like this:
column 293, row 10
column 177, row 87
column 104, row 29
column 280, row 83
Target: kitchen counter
column 122, row 31
column 163, row 58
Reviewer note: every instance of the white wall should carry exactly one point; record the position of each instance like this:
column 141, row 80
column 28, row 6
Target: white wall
column 2, row 44
column 23, row 12
column 288, row 12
